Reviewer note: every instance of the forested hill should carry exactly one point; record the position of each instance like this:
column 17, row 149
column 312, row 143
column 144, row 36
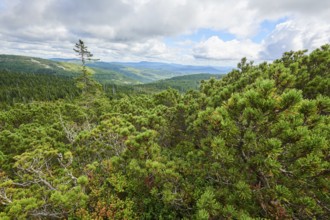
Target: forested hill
column 180, row 83
column 105, row 73
column 24, row 64
column 27, row 87
column 32, row 65
column 254, row 144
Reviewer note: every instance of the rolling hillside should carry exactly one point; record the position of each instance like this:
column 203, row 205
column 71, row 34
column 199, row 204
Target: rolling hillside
column 28, row 75
column 105, row 72
column 24, row 64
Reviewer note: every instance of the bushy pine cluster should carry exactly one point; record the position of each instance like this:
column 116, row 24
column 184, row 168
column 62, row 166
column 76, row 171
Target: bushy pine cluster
column 252, row 145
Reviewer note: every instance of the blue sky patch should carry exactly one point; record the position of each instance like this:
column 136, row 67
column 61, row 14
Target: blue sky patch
column 198, row 36
column 2, row 6
column 266, row 27
column 202, row 34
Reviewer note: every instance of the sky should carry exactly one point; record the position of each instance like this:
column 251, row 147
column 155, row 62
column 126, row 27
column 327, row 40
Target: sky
column 197, row 32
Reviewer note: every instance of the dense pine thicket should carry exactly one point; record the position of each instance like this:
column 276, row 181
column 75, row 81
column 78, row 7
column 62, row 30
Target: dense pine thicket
column 254, row 144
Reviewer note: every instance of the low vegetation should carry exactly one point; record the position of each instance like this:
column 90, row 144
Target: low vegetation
column 254, row 144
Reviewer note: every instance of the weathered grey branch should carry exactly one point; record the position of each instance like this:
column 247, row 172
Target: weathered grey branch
column 45, row 214
column 4, row 198
column 39, row 176
column 69, row 173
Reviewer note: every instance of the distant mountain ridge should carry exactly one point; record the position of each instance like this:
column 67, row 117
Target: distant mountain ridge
column 178, row 67
column 147, row 72
column 158, row 65
column 125, row 73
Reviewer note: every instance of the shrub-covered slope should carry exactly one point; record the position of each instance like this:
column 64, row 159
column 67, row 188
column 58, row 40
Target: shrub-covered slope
column 252, row 145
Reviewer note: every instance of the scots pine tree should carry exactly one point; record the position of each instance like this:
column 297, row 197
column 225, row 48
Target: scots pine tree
column 85, row 82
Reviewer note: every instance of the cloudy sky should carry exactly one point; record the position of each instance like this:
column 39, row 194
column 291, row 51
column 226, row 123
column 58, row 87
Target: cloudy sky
column 208, row 32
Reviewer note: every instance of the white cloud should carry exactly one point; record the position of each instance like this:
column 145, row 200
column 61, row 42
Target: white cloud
column 216, row 49
column 135, row 29
column 295, row 35
column 133, row 20
column 153, row 50
column 280, row 8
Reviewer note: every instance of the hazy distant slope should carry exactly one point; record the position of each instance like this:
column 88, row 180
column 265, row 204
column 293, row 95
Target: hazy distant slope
column 124, row 70
column 183, row 83
column 152, row 71
column 24, row 64
column 178, row 68
column 104, row 72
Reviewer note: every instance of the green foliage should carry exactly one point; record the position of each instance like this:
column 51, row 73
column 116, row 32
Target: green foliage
column 251, row 145
column 85, row 82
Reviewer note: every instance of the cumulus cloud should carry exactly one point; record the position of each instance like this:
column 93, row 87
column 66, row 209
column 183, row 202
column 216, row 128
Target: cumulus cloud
column 295, row 35
column 136, row 29
column 152, row 50
column 280, row 8
column 131, row 20
column 216, row 49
